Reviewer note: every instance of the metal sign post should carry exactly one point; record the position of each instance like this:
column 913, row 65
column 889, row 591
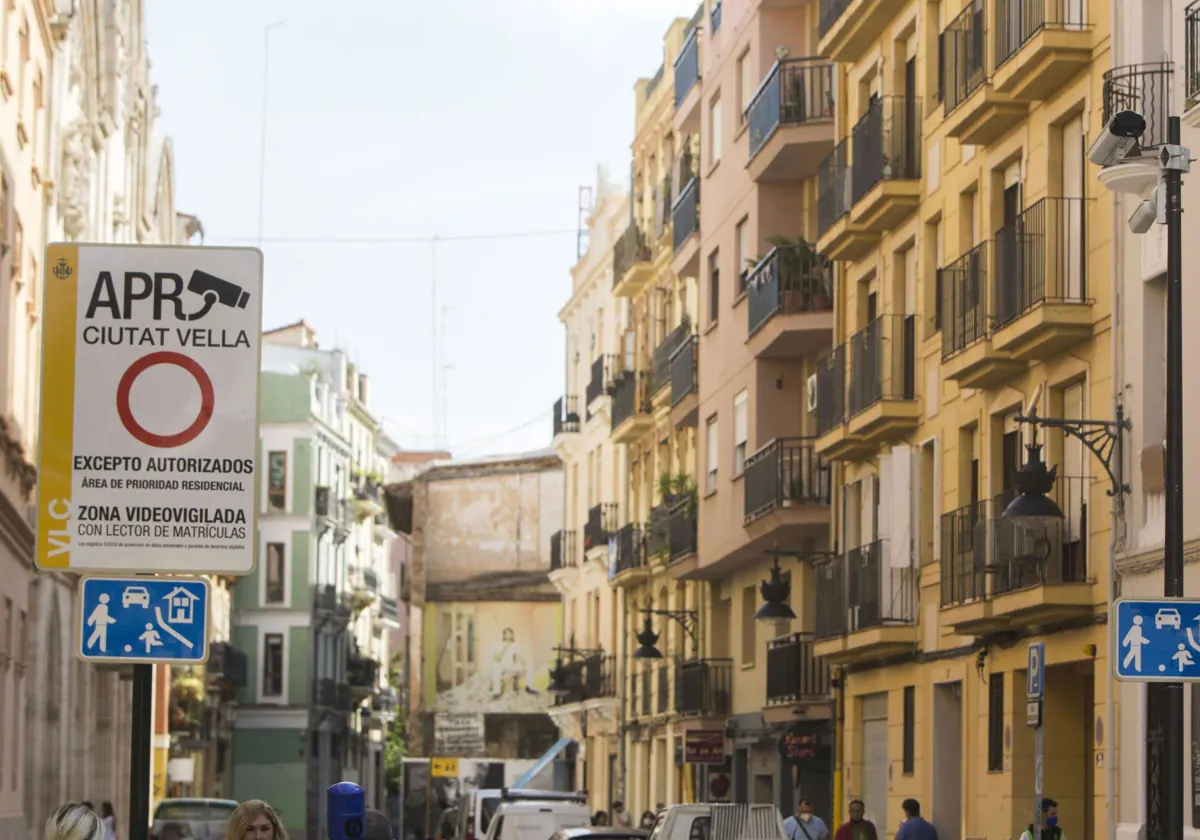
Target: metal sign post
column 1035, row 694
column 148, row 451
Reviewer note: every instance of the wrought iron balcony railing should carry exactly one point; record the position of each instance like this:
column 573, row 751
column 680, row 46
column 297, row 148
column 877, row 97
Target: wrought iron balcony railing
column 687, row 66
column 684, row 369
column 1024, row 557
column 788, row 280
column 830, row 12
column 631, row 547
column 1145, row 88
column 1017, row 21
column 833, row 188
column 1191, row 54
column 566, row 415
column 964, row 300
column 785, row 472
column 1040, row 258
column 590, row 678
column 631, row 396
column 862, row 590
column 885, row 144
column 658, row 540
column 831, row 390
column 682, row 529
column 964, row 62
column 631, row 248
column 685, row 213
column 883, row 362
column 795, row 92
column 562, row 551
column 704, row 687
column 601, row 521
column 660, row 376
column 964, row 554
column 793, row 672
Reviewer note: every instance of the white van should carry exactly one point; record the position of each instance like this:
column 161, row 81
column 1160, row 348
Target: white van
column 537, row 814
column 475, row 814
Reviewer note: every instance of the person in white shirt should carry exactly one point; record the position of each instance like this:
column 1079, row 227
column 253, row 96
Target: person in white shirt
column 805, row 825
column 109, row 820
column 508, row 664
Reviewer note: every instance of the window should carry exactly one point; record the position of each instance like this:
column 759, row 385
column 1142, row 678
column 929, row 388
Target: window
column 910, row 724
column 749, row 629
column 275, row 560
column 743, row 257
column 745, row 79
column 714, row 132
column 277, row 482
column 272, row 671
column 740, row 421
column 714, row 286
column 995, row 723
column 712, row 454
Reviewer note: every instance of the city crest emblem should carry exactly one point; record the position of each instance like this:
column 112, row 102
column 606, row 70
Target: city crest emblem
column 62, row 269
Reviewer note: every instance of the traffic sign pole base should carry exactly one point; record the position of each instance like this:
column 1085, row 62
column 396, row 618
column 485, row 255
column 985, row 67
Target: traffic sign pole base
column 140, row 748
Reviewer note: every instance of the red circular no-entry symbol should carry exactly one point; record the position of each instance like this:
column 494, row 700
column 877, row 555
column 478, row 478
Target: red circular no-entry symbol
column 207, row 399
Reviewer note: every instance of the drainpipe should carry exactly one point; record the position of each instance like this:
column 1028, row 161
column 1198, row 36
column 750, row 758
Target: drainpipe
column 1117, row 509
column 839, row 726
column 623, row 670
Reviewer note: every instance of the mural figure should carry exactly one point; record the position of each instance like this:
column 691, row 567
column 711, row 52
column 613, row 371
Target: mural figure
column 509, row 666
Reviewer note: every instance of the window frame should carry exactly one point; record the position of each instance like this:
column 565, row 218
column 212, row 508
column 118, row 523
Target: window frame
column 282, row 558
column 741, row 411
column 268, row 639
column 712, row 453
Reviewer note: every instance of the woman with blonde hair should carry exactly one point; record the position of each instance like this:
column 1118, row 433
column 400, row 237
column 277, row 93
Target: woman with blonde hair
column 253, row 820
column 74, row 821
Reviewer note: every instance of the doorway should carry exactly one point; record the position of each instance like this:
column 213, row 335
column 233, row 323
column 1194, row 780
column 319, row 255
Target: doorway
column 875, row 757
column 947, row 760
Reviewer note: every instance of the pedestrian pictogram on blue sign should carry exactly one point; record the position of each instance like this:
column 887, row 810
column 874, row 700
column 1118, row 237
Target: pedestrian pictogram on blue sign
column 143, row 619
column 1156, row 639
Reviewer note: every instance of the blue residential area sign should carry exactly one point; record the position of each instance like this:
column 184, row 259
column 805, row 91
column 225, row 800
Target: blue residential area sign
column 1156, row 639
column 144, row 619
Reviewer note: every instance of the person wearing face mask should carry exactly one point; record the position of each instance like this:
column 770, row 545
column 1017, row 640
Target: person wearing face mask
column 805, row 825
column 1051, row 830
column 859, row 827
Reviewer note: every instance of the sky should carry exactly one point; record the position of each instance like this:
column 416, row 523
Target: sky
column 405, row 120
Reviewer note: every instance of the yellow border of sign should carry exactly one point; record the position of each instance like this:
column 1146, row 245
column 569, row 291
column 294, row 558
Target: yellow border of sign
column 56, row 424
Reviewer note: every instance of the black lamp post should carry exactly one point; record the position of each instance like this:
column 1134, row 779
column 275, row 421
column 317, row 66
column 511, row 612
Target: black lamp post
column 776, row 592
column 648, row 639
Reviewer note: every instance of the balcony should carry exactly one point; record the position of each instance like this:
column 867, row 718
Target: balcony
column 325, row 598
column 661, row 199
column 367, row 500
column 834, row 441
column 1149, row 90
column 631, row 408
column 968, row 357
column 597, row 387
column 790, row 120
column 389, row 610
column 325, row 693
column 687, row 84
column 370, row 580
column 1191, row 53
column 866, row 605
column 704, row 687
column 658, row 540
column 362, row 674
column 228, row 666
column 633, row 262
column 662, row 687
column 342, row 700
column 853, row 28
column 1039, row 286
column 794, row 673
column 786, row 491
column 685, row 217
column 997, row 575
column 681, row 529
column 566, row 416
column 660, row 375
column 789, row 303
column 601, row 521
column 685, row 386
column 590, row 678
column 976, row 113
column 1040, row 44
column 562, row 551
column 838, row 237
column 383, row 528
column 882, row 378
column 630, row 565
column 885, row 171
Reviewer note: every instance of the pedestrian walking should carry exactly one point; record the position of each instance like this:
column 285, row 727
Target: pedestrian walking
column 378, row 826
column 805, row 825
column 1051, row 830
column 647, row 821
column 621, row 816
column 914, row 826
column 108, row 817
column 254, row 820
column 74, row 821
column 859, row 827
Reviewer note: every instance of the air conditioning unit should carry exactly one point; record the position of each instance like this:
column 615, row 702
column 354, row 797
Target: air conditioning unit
column 810, row 392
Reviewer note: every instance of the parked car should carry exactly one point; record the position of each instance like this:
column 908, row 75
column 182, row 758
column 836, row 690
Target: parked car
column 536, row 814
column 191, row 819
column 600, row 832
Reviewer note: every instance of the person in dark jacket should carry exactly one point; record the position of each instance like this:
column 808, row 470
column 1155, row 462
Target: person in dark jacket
column 1051, row 830
column 915, row 827
column 858, row 828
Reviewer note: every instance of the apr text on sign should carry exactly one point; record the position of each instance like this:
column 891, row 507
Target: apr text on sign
column 143, row 619
column 149, row 412
column 1156, row 639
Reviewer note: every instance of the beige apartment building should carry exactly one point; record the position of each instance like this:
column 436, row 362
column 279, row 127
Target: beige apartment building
column 763, row 106
column 586, row 677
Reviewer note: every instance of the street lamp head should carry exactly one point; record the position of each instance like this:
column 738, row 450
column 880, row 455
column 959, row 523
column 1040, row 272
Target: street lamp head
column 775, row 594
column 647, row 639
column 1033, row 506
column 558, row 679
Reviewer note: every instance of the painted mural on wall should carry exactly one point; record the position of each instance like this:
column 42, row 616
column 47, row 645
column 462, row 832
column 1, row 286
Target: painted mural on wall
column 489, row 658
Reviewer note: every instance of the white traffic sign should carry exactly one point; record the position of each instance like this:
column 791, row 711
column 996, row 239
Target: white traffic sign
column 149, row 410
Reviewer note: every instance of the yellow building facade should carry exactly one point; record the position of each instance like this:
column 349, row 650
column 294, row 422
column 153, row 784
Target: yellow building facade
column 654, row 388
column 973, row 283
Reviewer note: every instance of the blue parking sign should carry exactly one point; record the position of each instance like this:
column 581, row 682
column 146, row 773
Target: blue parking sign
column 143, row 619
column 1156, row 639
column 1035, row 674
